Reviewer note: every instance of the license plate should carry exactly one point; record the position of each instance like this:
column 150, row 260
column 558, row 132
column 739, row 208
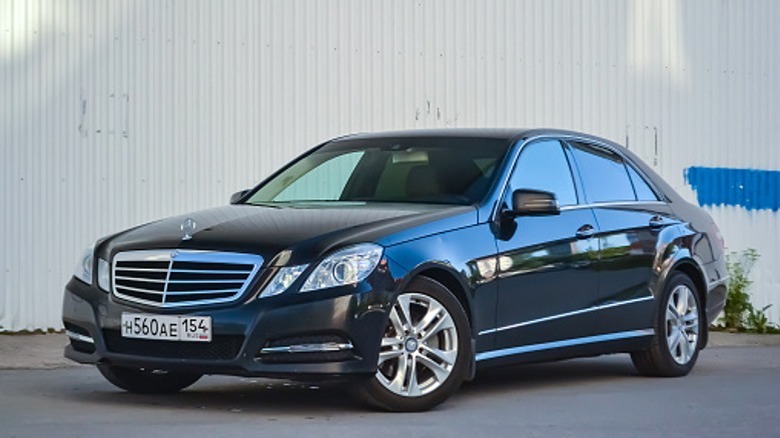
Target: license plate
column 166, row 327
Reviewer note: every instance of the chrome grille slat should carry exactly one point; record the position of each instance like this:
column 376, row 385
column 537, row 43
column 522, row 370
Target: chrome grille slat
column 143, row 269
column 145, row 280
column 146, row 291
column 192, row 277
column 204, row 281
column 202, row 292
column 193, row 271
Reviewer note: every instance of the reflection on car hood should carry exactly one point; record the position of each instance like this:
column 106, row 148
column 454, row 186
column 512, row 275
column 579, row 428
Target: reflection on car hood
column 309, row 231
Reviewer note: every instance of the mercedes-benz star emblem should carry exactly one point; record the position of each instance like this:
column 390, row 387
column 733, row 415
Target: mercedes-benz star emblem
column 188, row 226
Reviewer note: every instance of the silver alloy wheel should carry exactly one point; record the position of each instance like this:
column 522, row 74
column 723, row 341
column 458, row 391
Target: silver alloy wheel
column 682, row 324
column 419, row 347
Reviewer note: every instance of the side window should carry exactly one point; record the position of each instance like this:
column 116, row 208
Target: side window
column 323, row 183
column 543, row 165
column 604, row 176
column 643, row 191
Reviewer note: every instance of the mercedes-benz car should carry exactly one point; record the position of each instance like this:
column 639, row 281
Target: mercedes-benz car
column 403, row 263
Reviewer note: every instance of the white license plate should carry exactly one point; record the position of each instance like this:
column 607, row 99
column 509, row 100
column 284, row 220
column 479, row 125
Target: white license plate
column 166, row 327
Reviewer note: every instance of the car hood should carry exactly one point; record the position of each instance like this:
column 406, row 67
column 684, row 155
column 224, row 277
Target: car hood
column 308, row 231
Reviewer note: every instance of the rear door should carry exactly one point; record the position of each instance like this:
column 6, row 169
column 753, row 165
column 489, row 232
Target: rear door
column 629, row 215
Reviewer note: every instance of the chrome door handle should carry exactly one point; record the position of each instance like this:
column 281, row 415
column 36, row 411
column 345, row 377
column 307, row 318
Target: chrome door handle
column 585, row 232
column 657, row 222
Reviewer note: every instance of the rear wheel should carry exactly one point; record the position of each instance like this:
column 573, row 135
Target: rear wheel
column 424, row 352
column 147, row 381
column 679, row 326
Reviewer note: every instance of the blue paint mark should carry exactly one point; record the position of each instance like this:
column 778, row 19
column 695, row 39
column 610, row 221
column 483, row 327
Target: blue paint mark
column 749, row 188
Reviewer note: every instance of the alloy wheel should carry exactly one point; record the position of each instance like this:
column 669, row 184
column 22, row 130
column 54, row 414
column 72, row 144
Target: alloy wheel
column 419, row 347
column 682, row 324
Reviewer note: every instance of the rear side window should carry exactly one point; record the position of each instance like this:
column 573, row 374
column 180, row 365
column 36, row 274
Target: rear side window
column 603, row 173
column 642, row 189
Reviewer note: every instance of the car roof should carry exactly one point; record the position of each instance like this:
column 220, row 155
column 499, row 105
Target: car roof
column 517, row 134
column 494, row 133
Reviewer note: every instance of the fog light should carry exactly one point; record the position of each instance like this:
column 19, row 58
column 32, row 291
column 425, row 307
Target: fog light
column 324, row 347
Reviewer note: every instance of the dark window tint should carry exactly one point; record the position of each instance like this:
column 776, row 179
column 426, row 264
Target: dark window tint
column 642, row 189
column 543, row 166
column 603, row 174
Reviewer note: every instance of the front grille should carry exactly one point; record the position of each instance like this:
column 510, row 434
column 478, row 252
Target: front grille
column 221, row 347
column 174, row 278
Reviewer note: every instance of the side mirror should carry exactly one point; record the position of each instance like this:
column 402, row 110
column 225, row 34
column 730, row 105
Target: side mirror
column 527, row 202
column 235, row 197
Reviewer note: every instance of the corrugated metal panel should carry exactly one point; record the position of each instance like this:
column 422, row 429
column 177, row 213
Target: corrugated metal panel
column 117, row 113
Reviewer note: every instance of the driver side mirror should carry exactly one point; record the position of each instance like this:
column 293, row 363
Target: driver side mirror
column 235, row 197
column 527, row 202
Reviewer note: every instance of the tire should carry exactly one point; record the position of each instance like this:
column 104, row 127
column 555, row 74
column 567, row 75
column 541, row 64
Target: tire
column 143, row 381
column 679, row 331
column 423, row 363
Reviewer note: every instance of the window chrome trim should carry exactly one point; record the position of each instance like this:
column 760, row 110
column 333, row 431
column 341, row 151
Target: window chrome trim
column 610, row 204
column 494, row 354
column 565, row 315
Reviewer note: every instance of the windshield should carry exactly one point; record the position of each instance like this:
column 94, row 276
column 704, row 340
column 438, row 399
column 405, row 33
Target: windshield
column 418, row 170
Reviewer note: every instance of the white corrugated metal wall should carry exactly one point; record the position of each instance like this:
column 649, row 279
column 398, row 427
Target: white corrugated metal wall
column 117, row 113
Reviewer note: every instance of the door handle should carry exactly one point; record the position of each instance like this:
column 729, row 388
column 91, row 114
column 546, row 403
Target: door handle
column 657, row 222
column 585, row 232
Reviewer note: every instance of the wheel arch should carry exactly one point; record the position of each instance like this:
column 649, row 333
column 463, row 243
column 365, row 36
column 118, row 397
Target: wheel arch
column 451, row 282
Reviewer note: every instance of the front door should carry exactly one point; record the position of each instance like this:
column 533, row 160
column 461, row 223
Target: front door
column 547, row 279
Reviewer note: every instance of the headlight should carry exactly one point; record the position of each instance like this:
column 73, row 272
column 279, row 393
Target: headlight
column 103, row 275
column 83, row 269
column 347, row 266
column 282, row 280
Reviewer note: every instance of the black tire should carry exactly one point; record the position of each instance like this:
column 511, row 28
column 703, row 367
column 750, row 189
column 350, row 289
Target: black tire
column 143, row 381
column 662, row 359
column 440, row 338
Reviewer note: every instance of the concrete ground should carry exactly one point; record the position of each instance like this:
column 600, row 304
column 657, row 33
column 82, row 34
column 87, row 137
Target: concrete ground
column 732, row 392
column 44, row 351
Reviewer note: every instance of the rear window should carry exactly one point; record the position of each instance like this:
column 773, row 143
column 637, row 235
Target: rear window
column 642, row 189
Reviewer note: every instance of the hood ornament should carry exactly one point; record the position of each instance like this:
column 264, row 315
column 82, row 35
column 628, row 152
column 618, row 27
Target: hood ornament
column 188, row 226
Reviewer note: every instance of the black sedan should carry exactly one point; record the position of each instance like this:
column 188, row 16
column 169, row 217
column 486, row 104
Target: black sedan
column 401, row 263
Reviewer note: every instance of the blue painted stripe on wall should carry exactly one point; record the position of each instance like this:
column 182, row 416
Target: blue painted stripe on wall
column 749, row 188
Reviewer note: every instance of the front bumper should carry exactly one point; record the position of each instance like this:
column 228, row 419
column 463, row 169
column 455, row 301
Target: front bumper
column 330, row 333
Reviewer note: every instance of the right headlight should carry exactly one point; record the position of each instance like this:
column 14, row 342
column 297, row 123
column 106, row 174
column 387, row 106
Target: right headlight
column 104, row 272
column 83, row 270
column 346, row 266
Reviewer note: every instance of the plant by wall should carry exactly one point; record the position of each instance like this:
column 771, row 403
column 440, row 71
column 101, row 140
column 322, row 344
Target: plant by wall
column 739, row 313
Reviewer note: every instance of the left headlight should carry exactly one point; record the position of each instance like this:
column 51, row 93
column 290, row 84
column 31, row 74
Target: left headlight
column 346, row 266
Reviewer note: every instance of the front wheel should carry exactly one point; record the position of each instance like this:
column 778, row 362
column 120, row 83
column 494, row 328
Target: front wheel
column 147, row 381
column 424, row 352
column 679, row 325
